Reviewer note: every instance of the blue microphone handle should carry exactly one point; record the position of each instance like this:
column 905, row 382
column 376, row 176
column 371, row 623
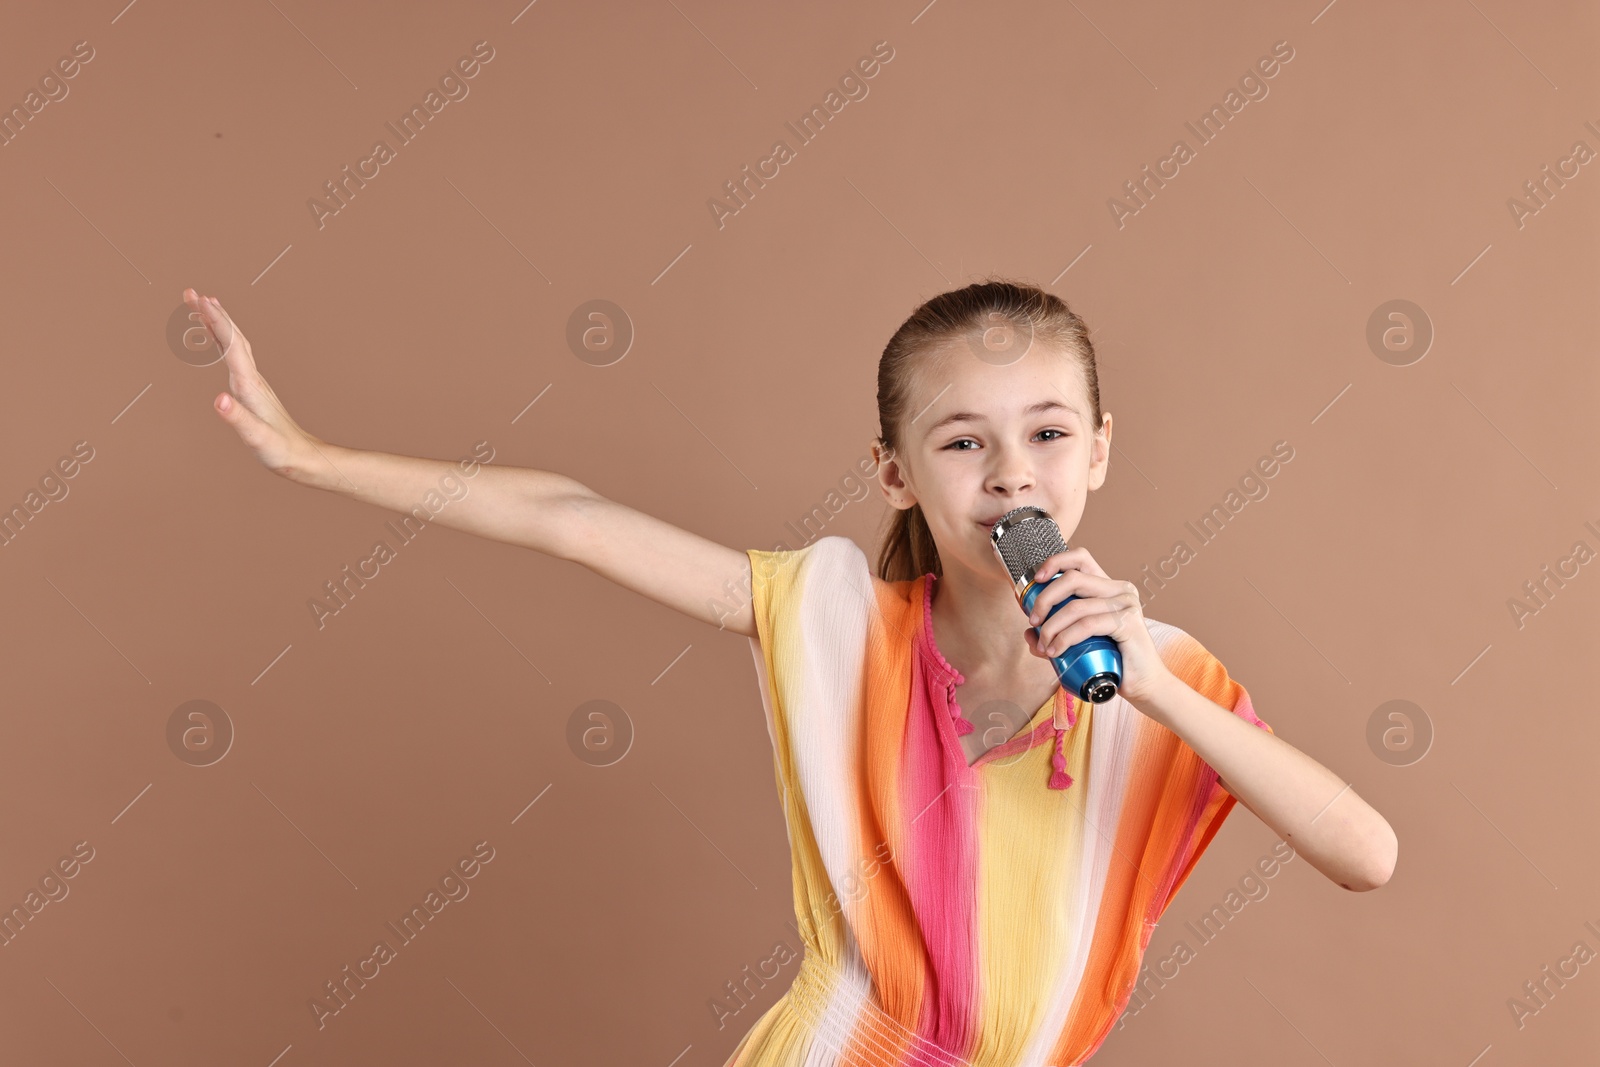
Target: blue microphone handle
column 1091, row 669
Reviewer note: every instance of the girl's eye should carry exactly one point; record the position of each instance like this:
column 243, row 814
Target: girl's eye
column 967, row 440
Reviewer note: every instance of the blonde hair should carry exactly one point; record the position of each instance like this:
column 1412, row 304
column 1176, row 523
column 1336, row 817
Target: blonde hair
column 908, row 550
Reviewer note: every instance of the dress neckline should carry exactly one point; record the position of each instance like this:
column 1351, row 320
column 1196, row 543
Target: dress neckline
column 1058, row 712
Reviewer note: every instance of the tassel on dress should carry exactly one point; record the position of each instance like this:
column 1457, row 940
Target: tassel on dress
column 1059, row 778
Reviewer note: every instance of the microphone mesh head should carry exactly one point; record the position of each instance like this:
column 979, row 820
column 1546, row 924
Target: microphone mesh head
column 1025, row 537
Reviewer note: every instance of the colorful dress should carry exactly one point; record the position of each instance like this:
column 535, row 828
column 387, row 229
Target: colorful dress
column 988, row 915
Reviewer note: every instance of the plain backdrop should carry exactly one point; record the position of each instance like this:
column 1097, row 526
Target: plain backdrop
column 370, row 752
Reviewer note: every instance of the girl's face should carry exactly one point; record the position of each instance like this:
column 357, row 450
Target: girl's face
column 985, row 438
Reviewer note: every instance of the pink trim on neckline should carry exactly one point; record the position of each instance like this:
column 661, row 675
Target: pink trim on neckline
column 927, row 629
column 1059, row 778
column 953, row 677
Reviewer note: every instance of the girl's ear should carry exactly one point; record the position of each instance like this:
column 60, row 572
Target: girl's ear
column 890, row 478
column 1100, row 453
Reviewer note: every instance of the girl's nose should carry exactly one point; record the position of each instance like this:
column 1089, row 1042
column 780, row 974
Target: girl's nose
column 1011, row 475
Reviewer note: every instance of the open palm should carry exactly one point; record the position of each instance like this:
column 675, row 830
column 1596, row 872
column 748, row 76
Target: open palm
column 251, row 407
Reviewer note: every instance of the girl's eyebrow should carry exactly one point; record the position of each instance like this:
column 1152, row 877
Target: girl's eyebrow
column 973, row 416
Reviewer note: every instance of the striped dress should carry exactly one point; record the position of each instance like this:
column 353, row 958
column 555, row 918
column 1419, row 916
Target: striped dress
column 989, row 915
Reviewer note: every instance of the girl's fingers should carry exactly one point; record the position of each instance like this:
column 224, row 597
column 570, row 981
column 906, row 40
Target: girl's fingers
column 229, row 337
column 251, row 428
column 1051, row 643
column 1071, row 559
column 208, row 316
column 1072, row 582
column 1057, row 562
column 1090, row 565
column 222, row 328
column 1053, row 592
column 251, row 407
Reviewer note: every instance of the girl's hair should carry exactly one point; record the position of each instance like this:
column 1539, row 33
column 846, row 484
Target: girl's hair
column 908, row 550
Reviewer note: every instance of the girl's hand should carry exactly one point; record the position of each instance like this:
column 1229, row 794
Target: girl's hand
column 254, row 410
column 1104, row 607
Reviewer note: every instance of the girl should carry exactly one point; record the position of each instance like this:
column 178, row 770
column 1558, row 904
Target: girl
column 968, row 892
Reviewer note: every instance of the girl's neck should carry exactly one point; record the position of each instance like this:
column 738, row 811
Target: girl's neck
column 978, row 626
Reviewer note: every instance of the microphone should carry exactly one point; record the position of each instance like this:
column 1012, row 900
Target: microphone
column 1024, row 538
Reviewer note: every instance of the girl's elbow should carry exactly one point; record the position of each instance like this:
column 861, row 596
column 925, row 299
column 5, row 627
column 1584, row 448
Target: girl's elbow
column 1381, row 859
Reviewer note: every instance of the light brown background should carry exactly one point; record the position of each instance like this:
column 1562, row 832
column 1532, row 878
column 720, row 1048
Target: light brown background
column 1229, row 314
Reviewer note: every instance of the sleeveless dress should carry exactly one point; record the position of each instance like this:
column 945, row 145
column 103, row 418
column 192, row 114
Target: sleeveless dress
column 950, row 915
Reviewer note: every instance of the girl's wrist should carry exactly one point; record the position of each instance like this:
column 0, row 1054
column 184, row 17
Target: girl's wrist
column 1156, row 695
column 320, row 466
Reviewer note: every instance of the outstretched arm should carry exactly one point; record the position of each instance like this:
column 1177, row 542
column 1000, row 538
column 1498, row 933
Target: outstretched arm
column 1303, row 802
column 538, row 509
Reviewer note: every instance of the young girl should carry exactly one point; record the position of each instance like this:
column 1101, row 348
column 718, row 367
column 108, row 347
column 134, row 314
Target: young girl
column 970, row 888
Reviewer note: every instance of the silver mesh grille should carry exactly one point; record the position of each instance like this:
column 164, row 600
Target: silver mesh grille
column 1025, row 538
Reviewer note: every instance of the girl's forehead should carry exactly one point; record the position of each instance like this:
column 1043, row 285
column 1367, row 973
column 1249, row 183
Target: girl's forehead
column 955, row 380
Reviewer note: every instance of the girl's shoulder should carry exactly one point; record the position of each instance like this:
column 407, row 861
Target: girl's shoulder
column 828, row 559
column 1174, row 642
column 832, row 568
column 1181, row 651
column 1199, row 668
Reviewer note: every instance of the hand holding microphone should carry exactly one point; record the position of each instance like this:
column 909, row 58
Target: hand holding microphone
column 1025, row 538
